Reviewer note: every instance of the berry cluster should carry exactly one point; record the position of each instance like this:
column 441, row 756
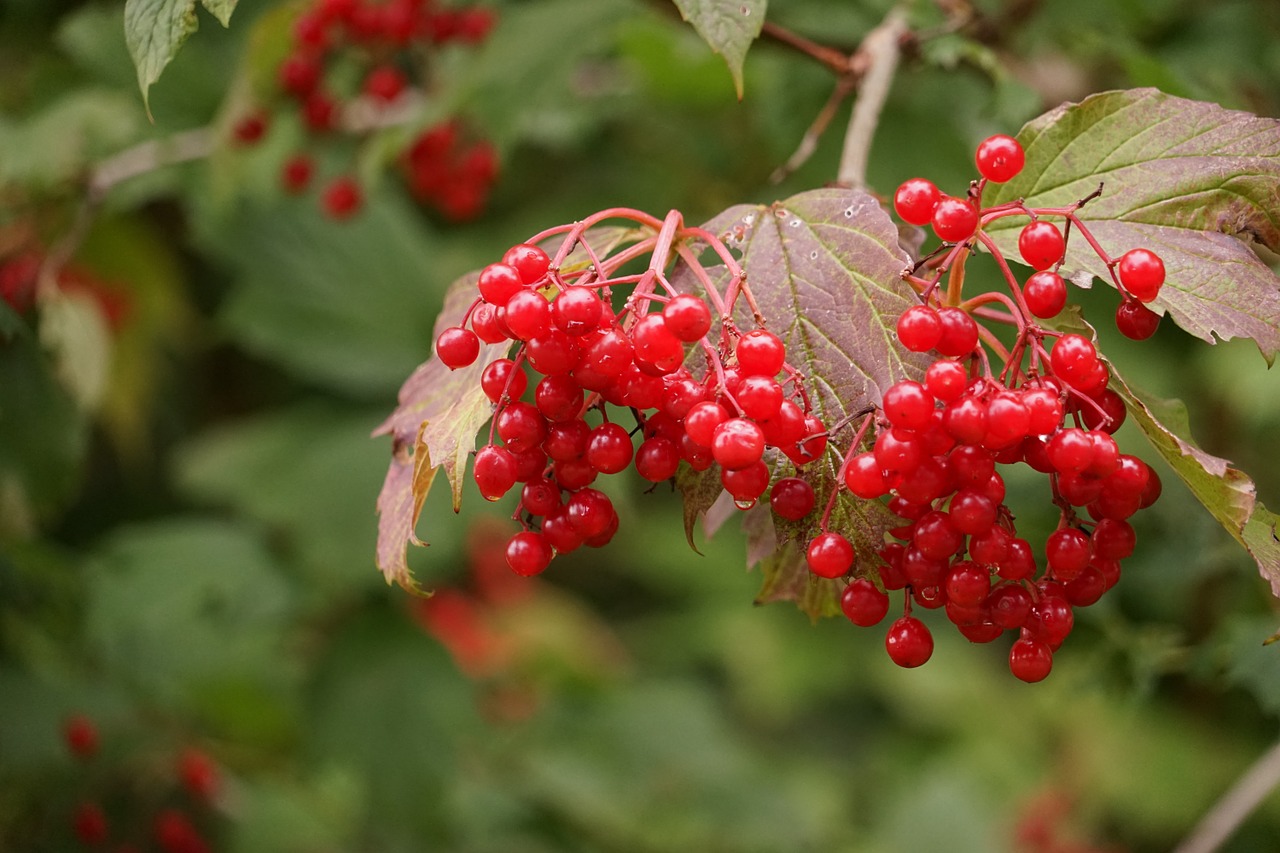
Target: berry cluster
column 377, row 49
column 939, row 443
column 578, row 364
column 172, row 828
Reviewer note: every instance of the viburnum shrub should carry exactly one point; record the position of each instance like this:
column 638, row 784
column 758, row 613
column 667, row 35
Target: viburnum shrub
column 843, row 381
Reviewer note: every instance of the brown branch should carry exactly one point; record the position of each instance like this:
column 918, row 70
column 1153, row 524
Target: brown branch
column 880, row 51
column 828, row 56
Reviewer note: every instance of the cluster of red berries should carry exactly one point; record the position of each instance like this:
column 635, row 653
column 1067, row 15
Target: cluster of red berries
column 18, row 281
column 939, row 443
column 584, row 359
column 173, row 829
column 384, row 41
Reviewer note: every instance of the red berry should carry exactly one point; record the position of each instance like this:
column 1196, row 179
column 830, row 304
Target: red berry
column 946, row 380
column 529, row 261
column 590, row 512
column 908, row 405
column 250, row 128
column 1136, row 321
column 829, row 555
column 498, row 283
column 919, row 328
column 1142, row 273
column 296, row 173
column 915, row 201
column 1045, row 293
column 528, row 314
column 457, row 347
column 864, row 477
column 199, row 774
column 703, row 420
column 655, row 344
column 909, row 642
column 959, row 332
column 494, row 471
column 1041, row 244
column 81, row 735
column 791, row 498
column 760, row 353
column 528, row 553
column 999, row 158
column 90, row 824
column 577, row 310
column 385, row 83
column 863, row 604
column 1073, row 359
column 609, row 448
column 1030, row 660
column 1067, row 552
column 658, row 458
column 688, row 317
column 737, row 443
column 760, row 397
column 954, row 219
column 746, row 485
column 502, row 377
column 342, row 198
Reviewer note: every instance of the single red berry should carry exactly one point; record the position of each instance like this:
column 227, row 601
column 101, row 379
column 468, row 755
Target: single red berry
column 299, row 74
column 999, row 158
column 1009, row 605
column 954, row 219
column 946, row 380
column 494, row 471
column 590, row 512
column 791, row 498
column 703, row 420
column 658, row 458
column 908, row 405
column 251, row 128
column 760, row 353
column 457, row 347
column 81, row 735
column 863, row 604
column 498, row 283
column 296, row 173
column 385, row 83
column 199, row 774
column 909, row 642
column 529, row 261
column 1067, row 552
column 175, row 833
column 1041, row 244
column 746, row 485
column 829, row 555
column 502, row 377
column 915, row 201
column 1142, row 273
column 1046, row 294
column 1073, row 359
column 737, row 443
column 342, row 198
column 1030, row 660
column 688, row 317
column 1136, row 321
column 528, row 314
column 959, row 332
column 528, row 553
column 919, row 328
column 864, row 477
column 656, row 345
column 90, row 824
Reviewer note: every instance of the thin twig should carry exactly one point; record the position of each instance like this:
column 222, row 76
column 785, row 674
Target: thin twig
column 881, row 47
column 1237, row 804
column 828, row 56
column 845, row 86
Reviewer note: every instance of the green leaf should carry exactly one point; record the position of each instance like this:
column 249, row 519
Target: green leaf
column 155, row 29
column 729, row 26
column 825, row 268
column 1192, row 181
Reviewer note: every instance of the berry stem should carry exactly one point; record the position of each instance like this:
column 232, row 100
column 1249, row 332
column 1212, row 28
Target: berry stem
column 867, row 420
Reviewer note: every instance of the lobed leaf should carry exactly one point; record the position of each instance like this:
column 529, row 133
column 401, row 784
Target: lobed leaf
column 1192, row 181
column 155, row 29
column 825, row 269
column 729, row 26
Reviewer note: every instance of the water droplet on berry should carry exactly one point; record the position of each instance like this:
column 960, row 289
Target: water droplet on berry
column 744, row 505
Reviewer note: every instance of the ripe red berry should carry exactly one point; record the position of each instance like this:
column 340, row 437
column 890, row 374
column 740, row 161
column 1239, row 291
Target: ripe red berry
column 81, row 735
column 528, row 314
column 528, row 553
column 908, row 405
column 296, row 173
column 915, row 201
column 954, row 219
column 746, row 485
column 737, row 443
column 385, row 83
column 658, row 458
column 919, row 328
column 199, row 774
column 1136, row 321
column 90, row 824
column 529, row 261
column 760, row 353
column 1030, row 660
column 1046, row 294
column 1142, row 273
column 909, row 642
column 342, row 198
column 503, row 377
column 498, row 283
column 791, row 498
column 494, row 471
column 590, row 512
column 688, row 317
column 946, row 380
column 457, row 347
column 1041, row 244
column 863, row 604
column 829, row 555
column 250, row 128
column 999, row 158
column 1073, row 359
column 959, row 332
column 577, row 310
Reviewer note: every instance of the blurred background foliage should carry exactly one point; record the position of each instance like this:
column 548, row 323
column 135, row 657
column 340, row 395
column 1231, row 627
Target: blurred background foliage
column 187, row 483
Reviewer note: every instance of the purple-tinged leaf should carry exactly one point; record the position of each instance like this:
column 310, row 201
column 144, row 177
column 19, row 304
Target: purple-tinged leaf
column 435, row 426
column 729, row 26
column 1195, row 183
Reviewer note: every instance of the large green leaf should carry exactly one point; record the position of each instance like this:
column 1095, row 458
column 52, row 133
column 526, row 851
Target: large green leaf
column 729, row 26
column 825, row 268
column 1194, row 182
column 155, row 29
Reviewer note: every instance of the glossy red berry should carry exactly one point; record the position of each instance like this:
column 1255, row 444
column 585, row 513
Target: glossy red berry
column 829, row 555
column 1073, row 359
column 915, row 201
column 527, row 314
column 528, row 553
column 954, row 219
column 760, row 353
column 863, row 604
column 919, row 328
column 688, row 317
column 791, row 498
column 342, row 198
column 494, row 471
column 999, row 158
column 658, row 458
column 1136, row 321
column 959, row 332
column 457, row 347
column 1046, row 294
column 909, row 642
column 1141, row 271
column 1041, row 244
column 737, row 443
column 1030, row 660
column 529, row 261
